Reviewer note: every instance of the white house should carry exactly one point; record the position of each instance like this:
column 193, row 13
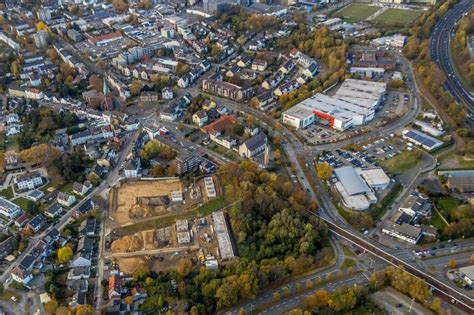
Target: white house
column 66, row 199
column 81, row 189
column 200, row 118
column 167, row 93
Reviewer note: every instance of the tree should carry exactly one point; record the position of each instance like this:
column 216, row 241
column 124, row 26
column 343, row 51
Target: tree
column 181, row 69
column 2, row 163
column 472, row 259
column 276, row 297
column 343, row 299
column 452, row 263
column 82, row 310
column 135, row 87
column 65, row 254
column 318, row 299
column 129, row 300
column 15, row 68
column 41, row 26
column 286, row 291
column 309, row 284
column 51, row 306
column 324, row 170
column 96, row 83
column 120, row 5
column 194, row 310
column 436, row 305
column 183, row 267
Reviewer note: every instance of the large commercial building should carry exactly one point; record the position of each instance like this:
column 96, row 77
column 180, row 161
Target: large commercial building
column 354, row 104
column 357, row 186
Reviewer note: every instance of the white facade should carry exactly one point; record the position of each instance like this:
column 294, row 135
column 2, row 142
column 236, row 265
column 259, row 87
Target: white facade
column 9, row 209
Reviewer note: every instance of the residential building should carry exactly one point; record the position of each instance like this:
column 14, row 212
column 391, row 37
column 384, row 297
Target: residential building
column 53, row 210
column 65, row 199
column 200, row 118
column 253, row 146
column 81, row 189
column 115, row 286
column 9, row 209
column 37, row 223
column 7, row 246
column 28, row 180
column 84, row 250
column 227, row 90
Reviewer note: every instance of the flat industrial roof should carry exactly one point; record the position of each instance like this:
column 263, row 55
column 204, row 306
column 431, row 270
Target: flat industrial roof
column 335, row 107
column 299, row 111
column 374, row 176
column 422, row 138
column 352, row 182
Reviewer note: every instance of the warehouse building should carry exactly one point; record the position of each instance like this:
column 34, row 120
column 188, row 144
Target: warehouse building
column 420, row 139
column 357, row 186
column 353, row 105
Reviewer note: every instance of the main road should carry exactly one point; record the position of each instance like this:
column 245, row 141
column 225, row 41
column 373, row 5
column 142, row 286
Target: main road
column 440, row 52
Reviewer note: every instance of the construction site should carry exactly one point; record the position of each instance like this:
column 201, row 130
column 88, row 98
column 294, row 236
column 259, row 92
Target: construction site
column 164, row 221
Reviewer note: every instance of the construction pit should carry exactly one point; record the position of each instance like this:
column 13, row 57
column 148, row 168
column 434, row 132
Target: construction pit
column 157, row 220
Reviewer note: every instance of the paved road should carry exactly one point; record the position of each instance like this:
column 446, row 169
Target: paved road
column 440, row 52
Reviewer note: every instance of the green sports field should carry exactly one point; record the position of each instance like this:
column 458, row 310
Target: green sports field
column 356, row 12
column 397, row 16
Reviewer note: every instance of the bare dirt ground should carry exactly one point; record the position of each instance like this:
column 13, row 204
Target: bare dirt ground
column 139, row 199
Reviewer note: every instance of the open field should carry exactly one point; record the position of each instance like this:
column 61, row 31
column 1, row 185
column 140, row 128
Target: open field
column 354, row 13
column 397, row 16
column 401, row 162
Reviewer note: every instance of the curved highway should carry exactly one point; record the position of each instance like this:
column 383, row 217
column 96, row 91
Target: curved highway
column 439, row 47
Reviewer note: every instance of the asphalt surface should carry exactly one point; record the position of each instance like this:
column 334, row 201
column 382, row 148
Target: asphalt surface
column 440, row 52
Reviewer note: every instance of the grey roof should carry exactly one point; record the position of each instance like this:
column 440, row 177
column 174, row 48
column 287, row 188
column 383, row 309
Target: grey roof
column 352, row 182
column 256, row 141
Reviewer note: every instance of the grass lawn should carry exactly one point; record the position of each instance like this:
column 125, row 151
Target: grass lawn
column 354, row 13
column 446, row 205
column 46, row 188
column 347, row 252
column 437, row 221
column 377, row 212
column 12, row 142
column 7, row 193
column 161, row 222
column 7, row 296
column 22, row 203
column 348, row 262
column 401, row 162
column 397, row 16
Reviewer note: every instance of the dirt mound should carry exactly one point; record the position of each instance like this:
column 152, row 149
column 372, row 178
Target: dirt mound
column 127, row 244
column 153, row 201
column 143, row 211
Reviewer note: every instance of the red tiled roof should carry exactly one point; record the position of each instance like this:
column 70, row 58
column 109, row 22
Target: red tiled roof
column 220, row 124
column 95, row 40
